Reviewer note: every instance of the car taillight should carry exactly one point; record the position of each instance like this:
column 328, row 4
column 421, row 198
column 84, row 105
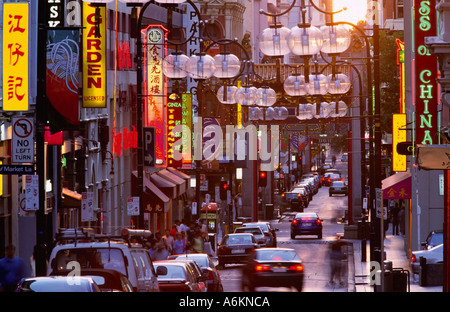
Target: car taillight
column 296, row 268
column 211, row 275
column 413, row 258
column 318, row 221
column 299, row 195
column 329, row 180
column 294, row 222
column 262, row 268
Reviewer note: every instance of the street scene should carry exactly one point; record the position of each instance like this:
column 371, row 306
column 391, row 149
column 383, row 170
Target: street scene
column 240, row 150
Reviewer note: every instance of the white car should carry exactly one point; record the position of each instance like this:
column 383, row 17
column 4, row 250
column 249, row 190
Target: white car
column 433, row 255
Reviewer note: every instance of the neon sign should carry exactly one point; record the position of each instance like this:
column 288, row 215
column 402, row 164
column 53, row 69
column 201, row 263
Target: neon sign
column 425, row 73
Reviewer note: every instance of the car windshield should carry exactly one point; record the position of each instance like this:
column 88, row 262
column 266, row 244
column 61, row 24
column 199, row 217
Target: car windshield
column 338, row 183
column 305, row 215
column 276, row 255
column 202, row 261
column 173, row 271
column 263, row 226
column 238, row 239
column 95, row 258
column 254, row 231
column 56, row 285
column 436, row 239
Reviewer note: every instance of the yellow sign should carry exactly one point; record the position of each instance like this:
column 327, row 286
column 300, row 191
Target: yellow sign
column 94, row 57
column 15, row 56
column 398, row 122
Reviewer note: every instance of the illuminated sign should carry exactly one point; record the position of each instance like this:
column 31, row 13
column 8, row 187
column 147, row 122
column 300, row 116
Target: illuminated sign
column 15, row 56
column 401, row 65
column 186, row 105
column 174, row 118
column 398, row 136
column 124, row 141
column 154, row 41
column 425, row 73
column 94, row 57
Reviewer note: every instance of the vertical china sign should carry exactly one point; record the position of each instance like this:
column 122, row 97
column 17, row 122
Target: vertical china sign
column 154, row 41
column 94, row 56
column 426, row 95
column 15, row 56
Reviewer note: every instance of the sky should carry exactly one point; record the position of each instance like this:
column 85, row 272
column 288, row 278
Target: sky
column 356, row 10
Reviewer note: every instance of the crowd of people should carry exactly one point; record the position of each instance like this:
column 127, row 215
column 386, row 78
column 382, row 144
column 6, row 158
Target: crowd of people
column 180, row 239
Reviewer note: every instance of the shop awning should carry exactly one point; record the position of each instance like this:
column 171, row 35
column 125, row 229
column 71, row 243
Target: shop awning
column 71, row 199
column 167, row 187
column 179, row 173
column 397, row 186
column 171, row 177
column 155, row 201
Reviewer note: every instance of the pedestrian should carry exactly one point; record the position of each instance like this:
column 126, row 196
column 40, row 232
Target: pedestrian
column 202, row 226
column 401, row 217
column 178, row 245
column 160, row 252
column 336, row 255
column 169, row 240
column 12, row 270
column 198, row 242
column 333, row 160
column 395, row 220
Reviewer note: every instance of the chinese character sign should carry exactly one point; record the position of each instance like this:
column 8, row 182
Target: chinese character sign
column 15, row 56
column 398, row 136
column 174, row 118
column 156, row 87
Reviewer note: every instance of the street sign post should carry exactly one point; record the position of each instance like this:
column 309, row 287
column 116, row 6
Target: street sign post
column 22, row 140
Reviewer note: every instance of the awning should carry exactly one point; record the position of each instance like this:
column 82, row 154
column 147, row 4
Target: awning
column 71, row 199
column 167, row 187
column 180, row 182
column 397, row 186
column 179, row 173
column 155, row 201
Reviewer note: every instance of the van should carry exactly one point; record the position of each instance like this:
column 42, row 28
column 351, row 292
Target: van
column 78, row 249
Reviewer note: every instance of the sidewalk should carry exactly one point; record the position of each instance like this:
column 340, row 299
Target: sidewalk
column 393, row 246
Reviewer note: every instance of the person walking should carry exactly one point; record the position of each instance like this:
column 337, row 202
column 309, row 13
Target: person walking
column 336, row 255
column 178, row 245
column 12, row 270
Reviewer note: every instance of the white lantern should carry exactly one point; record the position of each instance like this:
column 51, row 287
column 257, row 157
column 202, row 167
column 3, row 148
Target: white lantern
column 274, row 41
column 174, row 66
column 265, row 96
column 338, row 84
column 270, row 113
column 227, row 65
column 228, row 96
column 305, row 111
column 246, row 96
column 200, row 66
column 295, row 85
column 281, row 113
column 318, row 84
column 305, row 40
column 336, row 39
column 170, row 1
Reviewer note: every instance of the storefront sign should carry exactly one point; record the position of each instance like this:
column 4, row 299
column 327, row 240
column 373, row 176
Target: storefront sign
column 398, row 136
column 425, row 89
column 94, row 57
column 15, row 56
column 154, row 41
column 174, row 118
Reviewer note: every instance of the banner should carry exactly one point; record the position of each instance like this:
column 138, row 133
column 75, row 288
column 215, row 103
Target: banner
column 15, row 56
column 94, row 57
column 398, row 136
column 63, row 52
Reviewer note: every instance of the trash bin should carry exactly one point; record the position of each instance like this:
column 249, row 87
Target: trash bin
column 268, row 214
column 400, row 280
column 387, row 281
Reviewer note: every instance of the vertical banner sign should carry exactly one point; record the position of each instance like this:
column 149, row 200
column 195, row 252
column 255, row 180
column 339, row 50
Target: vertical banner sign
column 193, row 46
column 154, row 41
column 63, row 46
column 174, row 118
column 401, row 66
column 87, row 206
column 15, row 56
column 187, row 121
column 94, row 57
column 425, row 73
column 398, row 122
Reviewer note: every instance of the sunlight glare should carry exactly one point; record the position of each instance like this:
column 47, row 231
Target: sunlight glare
column 356, row 10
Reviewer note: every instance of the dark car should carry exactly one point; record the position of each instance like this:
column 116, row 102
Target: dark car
column 273, row 267
column 199, row 275
column 176, row 276
column 235, row 248
column 433, row 239
column 338, row 187
column 107, row 280
column 306, row 223
column 269, row 231
column 214, row 282
column 331, row 177
column 58, row 284
column 256, row 231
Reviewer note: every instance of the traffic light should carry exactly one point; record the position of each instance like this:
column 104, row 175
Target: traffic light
column 262, row 178
column 223, row 190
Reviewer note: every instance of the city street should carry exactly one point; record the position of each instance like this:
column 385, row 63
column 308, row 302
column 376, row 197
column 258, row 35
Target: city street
column 312, row 251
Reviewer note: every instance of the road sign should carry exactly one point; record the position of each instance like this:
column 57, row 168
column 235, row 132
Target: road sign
column 149, row 146
column 133, row 206
column 22, row 140
column 32, row 193
column 16, row 169
column 379, row 204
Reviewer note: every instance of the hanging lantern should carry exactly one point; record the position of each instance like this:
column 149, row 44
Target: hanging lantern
column 200, row 66
column 174, row 66
column 274, row 41
column 228, row 96
column 246, row 96
column 338, row 84
column 318, row 84
column 265, row 96
column 336, row 39
column 227, row 65
column 295, row 85
column 305, row 40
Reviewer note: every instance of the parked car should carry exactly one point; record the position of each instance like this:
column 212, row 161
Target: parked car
column 235, row 248
column 433, row 255
column 92, row 251
column 269, row 231
column 176, row 276
column 273, row 267
column 214, row 282
column 107, row 280
column 309, row 189
column 332, row 177
column 298, row 199
column 338, row 187
column 344, row 157
column 306, row 223
column 198, row 273
column 58, row 284
column 261, row 239
column 434, row 238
